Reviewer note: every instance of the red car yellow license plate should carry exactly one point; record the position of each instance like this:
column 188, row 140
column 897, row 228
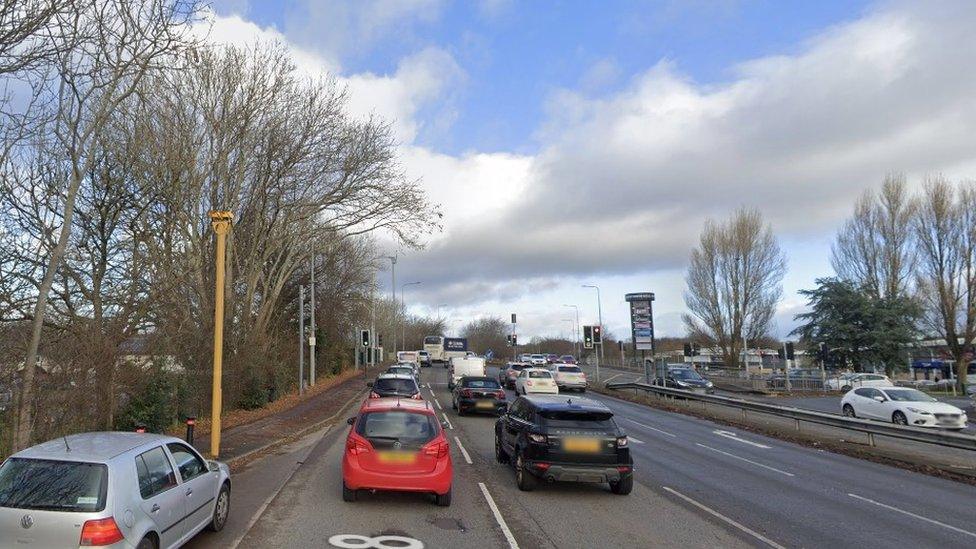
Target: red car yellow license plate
column 582, row 445
column 397, row 457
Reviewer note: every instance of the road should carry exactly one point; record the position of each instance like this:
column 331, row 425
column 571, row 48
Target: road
column 699, row 484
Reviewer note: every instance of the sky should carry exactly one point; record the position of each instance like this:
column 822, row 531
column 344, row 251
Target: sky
column 580, row 142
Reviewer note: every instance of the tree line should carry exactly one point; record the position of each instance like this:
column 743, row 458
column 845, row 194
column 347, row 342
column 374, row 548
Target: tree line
column 122, row 130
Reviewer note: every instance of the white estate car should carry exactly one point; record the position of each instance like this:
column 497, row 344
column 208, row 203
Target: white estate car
column 847, row 382
column 569, row 377
column 535, row 380
column 903, row 406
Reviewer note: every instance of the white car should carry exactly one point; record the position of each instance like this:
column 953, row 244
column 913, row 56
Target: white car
column 537, row 360
column 903, row 406
column 569, row 377
column 847, row 382
column 535, row 380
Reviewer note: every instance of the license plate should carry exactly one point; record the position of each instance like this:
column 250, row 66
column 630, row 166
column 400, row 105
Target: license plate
column 484, row 405
column 397, row 457
column 582, row 445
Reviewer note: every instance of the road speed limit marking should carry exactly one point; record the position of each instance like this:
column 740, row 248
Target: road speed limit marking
column 355, row 541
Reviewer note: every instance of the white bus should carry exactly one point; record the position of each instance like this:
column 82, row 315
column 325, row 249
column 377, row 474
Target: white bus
column 434, row 345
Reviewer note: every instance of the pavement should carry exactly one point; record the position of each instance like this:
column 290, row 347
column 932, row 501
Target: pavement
column 698, row 484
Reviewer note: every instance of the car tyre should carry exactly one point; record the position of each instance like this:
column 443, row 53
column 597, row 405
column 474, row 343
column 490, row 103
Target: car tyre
column 221, row 510
column 454, row 404
column 899, row 418
column 849, row 411
column 443, row 500
column 623, row 486
column 348, row 494
column 846, row 388
column 146, row 543
column 500, row 455
column 525, row 480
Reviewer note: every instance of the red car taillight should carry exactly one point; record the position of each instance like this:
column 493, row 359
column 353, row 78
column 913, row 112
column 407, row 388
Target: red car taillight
column 373, row 395
column 466, row 393
column 356, row 446
column 100, row 532
column 417, row 397
column 528, row 382
column 437, row 449
column 500, row 395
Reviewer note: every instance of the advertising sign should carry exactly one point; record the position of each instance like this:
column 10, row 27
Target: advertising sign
column 455, row 344
column 641, row 320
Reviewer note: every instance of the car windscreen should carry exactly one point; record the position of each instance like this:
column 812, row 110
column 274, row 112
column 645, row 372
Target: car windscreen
column 685, row 374
column 400, row 370
column 393, row 385
column 581, row 419
column 406, row 427
column 517, row 367
column 540, row 374
column 570, row 369
column 53, row 485
column 480, row 384
column 908, row 395
column 432, row 340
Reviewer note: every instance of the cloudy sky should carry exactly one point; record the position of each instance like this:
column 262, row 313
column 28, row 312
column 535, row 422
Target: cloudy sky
column 579, row 142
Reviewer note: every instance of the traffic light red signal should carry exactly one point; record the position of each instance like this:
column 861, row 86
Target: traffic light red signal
column 597, row 335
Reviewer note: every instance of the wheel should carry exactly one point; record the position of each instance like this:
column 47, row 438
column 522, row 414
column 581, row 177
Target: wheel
column 849, row 411
column 583, row 390
column 846, row 388
column 347, row 494
column 444, row 500
column 460, row 412
column 221, row 509
column 453, row 404
column 146, row 543
column 899, row 418
column 525, row 481
column 623, row 486
column 500, row 455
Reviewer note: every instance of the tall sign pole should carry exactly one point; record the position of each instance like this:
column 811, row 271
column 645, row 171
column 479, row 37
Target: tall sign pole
column 311, row 337
column 642, row 327
column 221, row 223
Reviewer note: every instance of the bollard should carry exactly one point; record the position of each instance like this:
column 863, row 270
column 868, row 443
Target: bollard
column 190, row 423
column 140, row 428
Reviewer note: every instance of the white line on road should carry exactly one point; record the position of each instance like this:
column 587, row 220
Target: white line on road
column 463, row 451
column 449, row 426
column 649, row 427
column 735, row 437
column 716, row 514
column 608, row 380
column 512, row 544
column 635, row 440
column 919, row 517
column 432, row 395
column 756, row 463
column 438, row 403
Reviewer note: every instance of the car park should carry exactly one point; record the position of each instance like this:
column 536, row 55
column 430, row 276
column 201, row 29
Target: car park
column 134, row 490
column 507, row 375
column 569, row 377
column 903, row 406
column 535, row 380
column 683, row 377
column 397, row 445
column 563, row 439
column 479, row 394
column 469, row 366
column 395, row 385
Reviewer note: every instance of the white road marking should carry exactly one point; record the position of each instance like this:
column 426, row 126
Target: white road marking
column 449, row 426
column 756, row 463
column 438, row 403
column 716, row 514
column 913, row 515
column 432, row 395
column 512, row 544
column 635, row 440
column 649, row 427
column 735, row 437
column 463, row 451
column 608, row 380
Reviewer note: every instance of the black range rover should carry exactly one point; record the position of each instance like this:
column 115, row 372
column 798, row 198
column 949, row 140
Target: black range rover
column 552, row 437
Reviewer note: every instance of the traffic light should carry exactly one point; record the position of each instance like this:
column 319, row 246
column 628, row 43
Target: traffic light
column 514, row 340
column 597, row 336
column 364, row 338
column 688, row 350
column 379, row 340
column 780, row 354
column 587, row 337
column 695, row 349
column 790, row 353
column 508, row 340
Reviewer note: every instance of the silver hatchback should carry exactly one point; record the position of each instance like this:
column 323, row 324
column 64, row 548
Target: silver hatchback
column 110, row 489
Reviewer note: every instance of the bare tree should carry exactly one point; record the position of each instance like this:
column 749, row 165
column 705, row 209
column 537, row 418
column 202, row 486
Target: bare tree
column 874, row 248
column 734, row 282
column 945, row 231
column 27, row 28
column 486, row 333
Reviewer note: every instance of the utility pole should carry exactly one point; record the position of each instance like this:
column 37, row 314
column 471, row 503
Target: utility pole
column 221, row 223
column 311, row 338
column 786, row 368
column 372, row 330
column 301, row 339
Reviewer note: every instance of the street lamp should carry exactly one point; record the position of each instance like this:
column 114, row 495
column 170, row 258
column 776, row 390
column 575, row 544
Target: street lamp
column 403, row 305
column 599, row 309
column 576, row 329
column 393, row 261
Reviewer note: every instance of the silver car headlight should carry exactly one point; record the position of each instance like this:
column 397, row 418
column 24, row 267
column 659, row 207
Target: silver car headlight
column 920, row 412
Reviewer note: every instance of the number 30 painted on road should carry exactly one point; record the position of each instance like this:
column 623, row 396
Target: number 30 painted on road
column 354, row 541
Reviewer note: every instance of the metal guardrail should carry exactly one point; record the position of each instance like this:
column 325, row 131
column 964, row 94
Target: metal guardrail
column 915, row 434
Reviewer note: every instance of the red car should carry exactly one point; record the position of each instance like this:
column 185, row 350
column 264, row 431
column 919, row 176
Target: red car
column 397, row 444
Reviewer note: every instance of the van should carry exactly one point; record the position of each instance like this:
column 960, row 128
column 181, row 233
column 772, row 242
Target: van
column 464, row 367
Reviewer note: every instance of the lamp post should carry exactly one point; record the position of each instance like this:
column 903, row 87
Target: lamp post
column 403, row 305
column 576, row 330
column 393, row 261
column 221, row 223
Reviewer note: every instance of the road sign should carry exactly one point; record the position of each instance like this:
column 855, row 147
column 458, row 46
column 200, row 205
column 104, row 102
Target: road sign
column 641, row 320
column 513, row 318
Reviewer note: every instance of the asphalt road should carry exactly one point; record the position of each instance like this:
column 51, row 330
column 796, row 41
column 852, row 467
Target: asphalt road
column 699, row 484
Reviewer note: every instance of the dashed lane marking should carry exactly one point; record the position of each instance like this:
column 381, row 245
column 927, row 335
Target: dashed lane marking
column 649, row 427
column 735, row 437
column 512, row 544
column 438, row 403
column 913, row 515
column 464, row 452
column 756, row 463
column 718, row 515
column 449, row 425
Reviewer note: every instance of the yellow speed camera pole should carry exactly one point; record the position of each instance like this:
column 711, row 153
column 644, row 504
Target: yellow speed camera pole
column 221, row 222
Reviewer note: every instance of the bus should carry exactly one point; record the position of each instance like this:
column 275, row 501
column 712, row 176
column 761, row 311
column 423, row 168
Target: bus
column 434, row 345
